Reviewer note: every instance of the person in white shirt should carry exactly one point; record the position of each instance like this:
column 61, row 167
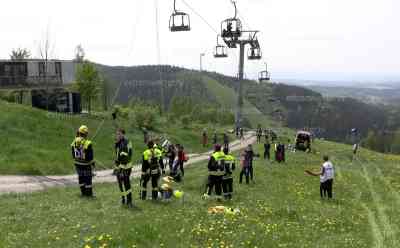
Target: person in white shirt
column 326, row 175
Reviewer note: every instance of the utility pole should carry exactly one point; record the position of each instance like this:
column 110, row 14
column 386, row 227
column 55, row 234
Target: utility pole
column 201, row 61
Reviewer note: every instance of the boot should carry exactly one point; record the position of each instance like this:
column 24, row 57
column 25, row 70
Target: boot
column 82, row 190
column 154, row 194
column 144, row 194
column 89, row 192
column 123, row 200
column 129, row 199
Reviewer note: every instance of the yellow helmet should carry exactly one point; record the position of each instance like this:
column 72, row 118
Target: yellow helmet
column 178, row 194
column 83, row 129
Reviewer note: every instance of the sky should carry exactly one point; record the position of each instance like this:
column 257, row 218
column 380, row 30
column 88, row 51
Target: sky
column 343, row 40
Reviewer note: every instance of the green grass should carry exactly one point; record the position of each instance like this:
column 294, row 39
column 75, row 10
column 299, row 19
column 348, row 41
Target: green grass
column 34, row 142
column 282, row 209
column 227, row 97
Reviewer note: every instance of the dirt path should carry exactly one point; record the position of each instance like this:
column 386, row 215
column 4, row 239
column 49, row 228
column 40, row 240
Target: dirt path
column 26, row 184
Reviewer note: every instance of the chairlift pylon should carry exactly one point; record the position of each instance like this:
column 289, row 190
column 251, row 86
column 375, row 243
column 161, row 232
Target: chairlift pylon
column 264, row 76
column 231, row 28
column 220, row 50
column 179, row 21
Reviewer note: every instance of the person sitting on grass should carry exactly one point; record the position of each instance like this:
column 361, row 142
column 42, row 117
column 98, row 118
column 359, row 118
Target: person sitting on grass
column 326, row 175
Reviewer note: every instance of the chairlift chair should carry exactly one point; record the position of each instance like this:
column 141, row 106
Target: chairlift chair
column 179, row 21
column 231, row 28
column 254, row 53
column 220, row 50
column 264, row 75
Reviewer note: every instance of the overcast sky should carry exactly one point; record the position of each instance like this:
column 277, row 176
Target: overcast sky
column 307, row 39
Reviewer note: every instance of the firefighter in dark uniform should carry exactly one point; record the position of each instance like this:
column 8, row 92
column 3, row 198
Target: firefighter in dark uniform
column 82, row 152
column 227, row 179
column 150, row 170
column 216, row 170
column 161, row 153
column 123, row 166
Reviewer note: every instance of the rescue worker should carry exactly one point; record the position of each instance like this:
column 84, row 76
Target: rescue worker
column 160, row 154
column 82, row 153
column 227, row 179
column 123, row 166
column 216, row 170
column 150, row 170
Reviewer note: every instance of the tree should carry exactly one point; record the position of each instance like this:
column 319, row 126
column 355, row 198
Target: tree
column 88, row 82
column 46, row 51
column 20, row 54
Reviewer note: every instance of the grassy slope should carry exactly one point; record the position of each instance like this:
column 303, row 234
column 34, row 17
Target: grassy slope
column 35, row 142
column 227, row 98
column 282, row 209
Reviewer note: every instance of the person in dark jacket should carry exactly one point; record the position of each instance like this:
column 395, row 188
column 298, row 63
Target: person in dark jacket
column 123, row 166
column 171, row 154
column 181, row 159
column 226, row 141
column 267, row 148
column 247, row 164
column 83, row 155
column 216, row 170
column 280, row 152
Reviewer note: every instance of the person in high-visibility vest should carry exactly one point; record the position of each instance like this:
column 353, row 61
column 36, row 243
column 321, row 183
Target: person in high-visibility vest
column 216, row 169
column 227, row 179
column 123, row 166
column 160, row 153
column 150, row 170
column 83, row 155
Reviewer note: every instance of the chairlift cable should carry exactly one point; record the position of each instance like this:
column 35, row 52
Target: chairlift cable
column 201, row 17
column 159, row 53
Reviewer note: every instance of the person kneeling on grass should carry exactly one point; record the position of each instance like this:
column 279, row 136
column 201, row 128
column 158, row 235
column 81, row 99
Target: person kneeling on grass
column 326, row 178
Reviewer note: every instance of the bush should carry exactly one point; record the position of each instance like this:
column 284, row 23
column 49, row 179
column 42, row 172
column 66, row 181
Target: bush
column 144, row 116
column 186, row 121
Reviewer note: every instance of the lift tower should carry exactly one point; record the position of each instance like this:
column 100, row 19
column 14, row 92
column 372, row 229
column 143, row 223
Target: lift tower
column 234, row 36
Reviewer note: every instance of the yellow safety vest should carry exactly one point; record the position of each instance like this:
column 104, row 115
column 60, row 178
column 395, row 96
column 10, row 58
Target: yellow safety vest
column 219, row 158
column 80, row 146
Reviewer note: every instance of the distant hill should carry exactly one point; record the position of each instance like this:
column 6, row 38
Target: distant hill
column 267, row 104
column 374, row 94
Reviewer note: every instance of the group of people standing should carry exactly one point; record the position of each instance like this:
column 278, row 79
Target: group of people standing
column 220, row 166
column 152, row 168
column 215, row 140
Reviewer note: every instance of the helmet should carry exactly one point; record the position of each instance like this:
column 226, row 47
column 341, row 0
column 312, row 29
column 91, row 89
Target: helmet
column 83, row 129
column 178, row 194
column 217, row 147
